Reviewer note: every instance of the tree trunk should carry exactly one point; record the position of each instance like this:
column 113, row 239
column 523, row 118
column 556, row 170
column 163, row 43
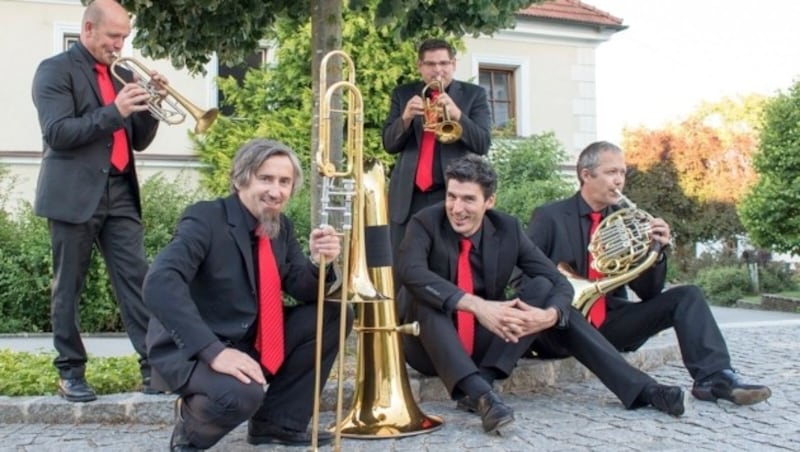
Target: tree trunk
column 326, row 35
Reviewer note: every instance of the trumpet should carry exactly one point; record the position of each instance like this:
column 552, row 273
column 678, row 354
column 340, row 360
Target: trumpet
column 172, row 113
column 436, row 118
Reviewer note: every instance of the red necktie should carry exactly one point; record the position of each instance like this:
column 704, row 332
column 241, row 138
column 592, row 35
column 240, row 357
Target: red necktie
column 465, row 321
column 119, row 150
column 269, row 338
column 597, row 314
column 424, row 179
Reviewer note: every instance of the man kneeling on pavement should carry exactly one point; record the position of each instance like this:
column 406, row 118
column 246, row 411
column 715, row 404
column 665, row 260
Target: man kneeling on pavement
column 220, row 330
column 455, row 264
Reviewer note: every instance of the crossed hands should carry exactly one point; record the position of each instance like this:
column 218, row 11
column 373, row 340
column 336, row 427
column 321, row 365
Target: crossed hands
column 510, row 320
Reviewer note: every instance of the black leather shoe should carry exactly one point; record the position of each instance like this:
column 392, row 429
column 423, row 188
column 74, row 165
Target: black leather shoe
column 266, row 433
column 76, row 390
column 725, row 384
column 668, row 399
column 494, row 413
column 467, row 403
column 178, row 442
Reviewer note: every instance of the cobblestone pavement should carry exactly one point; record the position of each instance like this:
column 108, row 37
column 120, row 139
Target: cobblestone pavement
column 572, row 417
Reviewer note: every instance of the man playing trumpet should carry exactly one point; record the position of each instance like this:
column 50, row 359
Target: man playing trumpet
column 562, row 230
column 417, row 179
column 87, row 187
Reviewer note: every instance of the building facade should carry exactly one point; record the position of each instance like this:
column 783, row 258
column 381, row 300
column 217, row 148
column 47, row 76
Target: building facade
column 540, row 77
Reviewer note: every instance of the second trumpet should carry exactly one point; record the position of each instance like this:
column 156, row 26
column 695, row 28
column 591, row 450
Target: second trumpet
column 436, row 118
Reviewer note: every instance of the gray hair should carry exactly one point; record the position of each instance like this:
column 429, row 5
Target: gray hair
column 253, row 154
column 590, row 157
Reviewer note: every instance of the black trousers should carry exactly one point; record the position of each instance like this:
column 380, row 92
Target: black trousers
column 214, row 403
column 438, row 351
column 116, row 228
column 581, row 340
column 701, row 343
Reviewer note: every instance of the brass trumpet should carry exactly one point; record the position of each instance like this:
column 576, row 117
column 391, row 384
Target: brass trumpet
column 436, row 118
column 173, row 114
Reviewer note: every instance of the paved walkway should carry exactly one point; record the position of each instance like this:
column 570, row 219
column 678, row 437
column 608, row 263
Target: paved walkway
column 572, row 415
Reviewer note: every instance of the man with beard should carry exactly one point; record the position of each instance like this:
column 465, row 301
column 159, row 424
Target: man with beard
column 220, row 330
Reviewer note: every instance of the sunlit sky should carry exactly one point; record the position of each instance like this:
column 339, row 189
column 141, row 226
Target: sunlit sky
column 676, row 53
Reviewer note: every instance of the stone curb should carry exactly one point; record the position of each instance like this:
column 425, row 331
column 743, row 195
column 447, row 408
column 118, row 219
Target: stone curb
column 137, row 408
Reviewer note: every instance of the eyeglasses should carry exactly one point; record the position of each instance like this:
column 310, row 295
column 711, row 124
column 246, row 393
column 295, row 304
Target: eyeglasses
column 433, row 64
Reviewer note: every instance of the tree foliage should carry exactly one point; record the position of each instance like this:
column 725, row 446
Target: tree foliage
column 771, row 208
column 285, row 90
column 188, row 32
column 693, row 173
column 528, row 173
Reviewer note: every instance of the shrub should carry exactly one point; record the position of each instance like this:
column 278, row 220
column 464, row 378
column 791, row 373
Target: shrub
column 30, row 374
column 723, row 285
column 26, row 262
column 528, row 173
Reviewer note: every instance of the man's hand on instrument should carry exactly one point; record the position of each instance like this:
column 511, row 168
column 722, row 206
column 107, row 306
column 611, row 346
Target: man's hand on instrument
column 132, row 98
column 660, row 231
column 158, row 82
column 238, row 365
column 445, row 101
column 414, row 107
column 324, row 242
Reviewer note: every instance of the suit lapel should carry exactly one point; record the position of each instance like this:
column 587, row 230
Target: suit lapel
column 490, row 251
column 242, row 237
column 87, row 71
column 572, row 223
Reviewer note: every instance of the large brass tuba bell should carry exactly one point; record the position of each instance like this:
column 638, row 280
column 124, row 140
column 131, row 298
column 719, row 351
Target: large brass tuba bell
column 382, row 403
column 172, row 113
column 436, row 118
column 622, row 248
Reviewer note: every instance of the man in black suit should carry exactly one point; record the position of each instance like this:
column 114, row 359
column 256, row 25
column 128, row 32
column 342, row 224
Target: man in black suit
column 87, row 186
column 456, row 264
column 403, row 135
column 207, row 292
column 562, row 231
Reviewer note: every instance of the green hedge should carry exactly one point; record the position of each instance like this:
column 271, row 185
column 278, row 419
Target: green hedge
column 725, row 284
column 26, row 261
column 31, row 374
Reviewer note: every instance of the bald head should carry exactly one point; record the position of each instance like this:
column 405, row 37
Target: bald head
column 105, row 26
column 98, row 9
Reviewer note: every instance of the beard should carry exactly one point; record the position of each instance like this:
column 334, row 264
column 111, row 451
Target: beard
column 270, row 224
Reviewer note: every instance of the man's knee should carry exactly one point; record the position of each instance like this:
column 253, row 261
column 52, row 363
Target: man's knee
column 236, row 404
column 689, row 294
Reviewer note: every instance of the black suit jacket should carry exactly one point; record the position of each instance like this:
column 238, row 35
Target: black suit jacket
column 475, row 121
column 77, row 134
column 428, row 262
column 557, row 230
column 201, row 288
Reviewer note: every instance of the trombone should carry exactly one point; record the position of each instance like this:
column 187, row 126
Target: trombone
column 382, row 405
column 171, row 114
